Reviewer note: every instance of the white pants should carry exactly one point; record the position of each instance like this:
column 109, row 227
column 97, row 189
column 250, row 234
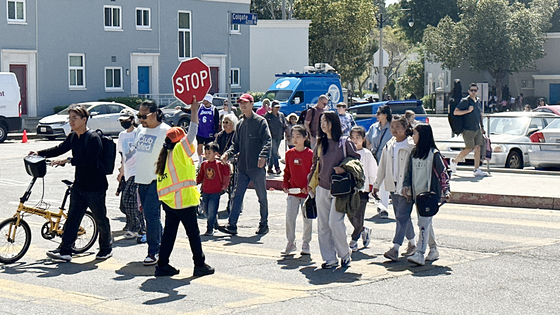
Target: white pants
column 383, row 196
column 293, row 205
column 425, row 231
column 332, row 230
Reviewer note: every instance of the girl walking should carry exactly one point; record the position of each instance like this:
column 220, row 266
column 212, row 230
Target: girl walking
column 298, row 163
column 426, row 172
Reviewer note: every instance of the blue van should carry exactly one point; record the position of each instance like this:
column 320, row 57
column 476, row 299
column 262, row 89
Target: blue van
column 298, row 91
column 397, row 107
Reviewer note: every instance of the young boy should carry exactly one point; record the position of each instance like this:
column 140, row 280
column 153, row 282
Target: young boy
column 214, row 176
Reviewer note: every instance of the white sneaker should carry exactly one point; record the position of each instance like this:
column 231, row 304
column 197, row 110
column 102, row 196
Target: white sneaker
column 366, row 236
column 417, row 258
column 433, row 254
column 290, row 249
column 130, row 235
column 479, row 173
column 305, row 250
column 453, row 166
column 353, row 245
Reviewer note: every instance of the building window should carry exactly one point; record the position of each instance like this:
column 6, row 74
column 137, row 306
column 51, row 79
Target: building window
column 185, row 49
column 113, row 79
column 234, row 77
column 16, row 11
column 112, row 15
column 76, row 71
column 143, row 18
column 235, row 29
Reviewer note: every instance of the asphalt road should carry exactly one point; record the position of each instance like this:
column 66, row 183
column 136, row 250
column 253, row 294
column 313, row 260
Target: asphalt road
column 493, row 261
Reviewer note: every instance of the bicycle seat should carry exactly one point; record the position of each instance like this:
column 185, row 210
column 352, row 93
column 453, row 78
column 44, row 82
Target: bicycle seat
column 67, row 182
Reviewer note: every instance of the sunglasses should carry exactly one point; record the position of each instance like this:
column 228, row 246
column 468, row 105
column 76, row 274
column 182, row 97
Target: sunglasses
column 225, row 122
column 143, row 116
column 473, row 90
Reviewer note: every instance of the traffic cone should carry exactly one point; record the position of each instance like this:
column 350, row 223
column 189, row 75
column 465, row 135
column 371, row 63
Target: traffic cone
column 24, row 138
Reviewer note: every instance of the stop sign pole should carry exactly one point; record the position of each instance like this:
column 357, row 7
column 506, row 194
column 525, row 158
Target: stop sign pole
column 192, row 78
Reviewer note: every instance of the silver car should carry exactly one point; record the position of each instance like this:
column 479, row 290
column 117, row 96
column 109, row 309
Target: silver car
column 505, row 127
column 542, row 156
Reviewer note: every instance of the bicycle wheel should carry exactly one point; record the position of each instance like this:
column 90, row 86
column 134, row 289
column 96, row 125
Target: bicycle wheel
column 87, row 234
column 12, row 249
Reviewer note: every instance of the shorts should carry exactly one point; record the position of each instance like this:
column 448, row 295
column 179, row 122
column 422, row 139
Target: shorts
column 473, row 138
column 203, row 141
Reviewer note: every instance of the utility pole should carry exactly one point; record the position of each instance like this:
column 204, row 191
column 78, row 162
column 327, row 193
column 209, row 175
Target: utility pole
column 380, row 74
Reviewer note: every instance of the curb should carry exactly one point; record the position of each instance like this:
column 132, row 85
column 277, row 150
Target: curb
column 19, row 136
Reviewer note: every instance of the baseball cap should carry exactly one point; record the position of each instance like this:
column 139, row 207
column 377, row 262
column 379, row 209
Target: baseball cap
column 341, row 104
column 245, row 98
column 175, row 134
column 208, row 98
column 126, row 114
column 275, row 103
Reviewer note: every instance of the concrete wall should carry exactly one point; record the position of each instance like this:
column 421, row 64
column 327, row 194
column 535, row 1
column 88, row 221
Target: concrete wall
column 277, row 46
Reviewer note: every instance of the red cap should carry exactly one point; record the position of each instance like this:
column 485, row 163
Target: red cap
column 245, row 98
column 175, row 134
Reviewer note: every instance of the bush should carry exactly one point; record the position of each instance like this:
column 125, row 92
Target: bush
column 131, row 101
column 257, row 96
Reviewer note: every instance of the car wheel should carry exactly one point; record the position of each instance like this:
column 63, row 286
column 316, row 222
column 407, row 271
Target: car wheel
column 514, row 160
column 184, row 123
column 3, row 132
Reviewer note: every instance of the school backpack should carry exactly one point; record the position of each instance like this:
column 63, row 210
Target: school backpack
column 109, row 151
column 301, row 118
column 455, row 122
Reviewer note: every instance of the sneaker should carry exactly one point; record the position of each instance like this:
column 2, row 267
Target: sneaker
column 270, row 172
column 58, row 256
column 130, row 235
column 278, row 172
column 353, row 245
column 345, row 261
column 479, row 173
column 166, row 270
column 263, row 229
column 409, row 250
column 453, row 166
column 203, row 271
column 228, row 229
column 141, row 239
column 366, row 236
column 151, row 260
column 330, row 265
column 290, row 249
column 417, row 258
column 209, row 232
column 433, row 254
column 305, row 250
column 392, row 254
column 383, row 214
column 104, row 254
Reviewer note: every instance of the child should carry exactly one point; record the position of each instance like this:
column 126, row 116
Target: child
column 420, row 178
column 298, row 164
column 292, row 121
column 358, row 137
column 391, row 171
column 214, row 176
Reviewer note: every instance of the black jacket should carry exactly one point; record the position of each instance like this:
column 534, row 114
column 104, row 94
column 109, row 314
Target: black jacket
column 252, row 141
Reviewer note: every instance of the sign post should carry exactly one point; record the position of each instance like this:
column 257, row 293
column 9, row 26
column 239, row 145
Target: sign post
column 192, row 78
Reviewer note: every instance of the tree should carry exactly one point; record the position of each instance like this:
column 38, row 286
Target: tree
column 339, row 33
column 412, row 81
column 493, row 36
column 424, row 13
column 269, row 9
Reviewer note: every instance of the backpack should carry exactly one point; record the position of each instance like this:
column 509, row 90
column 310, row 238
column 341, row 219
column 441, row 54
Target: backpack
column 109, row 151
column 455, row 122
column 301, row 118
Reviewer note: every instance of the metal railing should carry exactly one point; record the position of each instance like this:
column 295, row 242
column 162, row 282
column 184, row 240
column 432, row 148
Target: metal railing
column 166, row 99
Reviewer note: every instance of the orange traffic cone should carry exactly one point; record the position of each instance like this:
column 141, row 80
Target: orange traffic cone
column 24, row 138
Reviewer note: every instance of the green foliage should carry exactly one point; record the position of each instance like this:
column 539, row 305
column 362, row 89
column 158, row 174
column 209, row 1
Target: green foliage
column 268, row 9
column 412, row 81
column 257, row 96
column 424, row 13
column 131, row 101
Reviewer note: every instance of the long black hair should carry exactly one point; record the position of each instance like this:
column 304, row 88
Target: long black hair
column 153, row 108
column 457, row 93
column 168, row 145
column 336, row 129
column 303, row 132
column 386, row 109
column 425, row 141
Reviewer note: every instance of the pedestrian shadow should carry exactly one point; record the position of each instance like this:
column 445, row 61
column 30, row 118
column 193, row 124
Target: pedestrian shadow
column 377, row 219
column 48, row 268
column 428, row 270
column 291, row 262
column 472, row 179
column 319, row 276
column 133, row 269
column 165, row 285
column 236, row 239
column 359, row 255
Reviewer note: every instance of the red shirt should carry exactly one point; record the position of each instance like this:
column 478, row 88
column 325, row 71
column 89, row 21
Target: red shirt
column 298, row 166
column 214, row 177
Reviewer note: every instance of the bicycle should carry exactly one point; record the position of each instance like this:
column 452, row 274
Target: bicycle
column 15, row 233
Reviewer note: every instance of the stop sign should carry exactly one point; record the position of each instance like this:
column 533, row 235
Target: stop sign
column 192, row 78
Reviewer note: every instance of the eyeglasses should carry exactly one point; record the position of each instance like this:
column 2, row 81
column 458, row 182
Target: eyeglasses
column 225, row 122
column 473, row 90
column 74, row 118
column 143, row 116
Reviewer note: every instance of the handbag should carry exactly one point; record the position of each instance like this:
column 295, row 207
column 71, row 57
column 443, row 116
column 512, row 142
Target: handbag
column 342, row 184
column 310, row 208
column 314, row 181
column 427, row 204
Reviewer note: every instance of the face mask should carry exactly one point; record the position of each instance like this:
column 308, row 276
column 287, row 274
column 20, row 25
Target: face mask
column 126, row 124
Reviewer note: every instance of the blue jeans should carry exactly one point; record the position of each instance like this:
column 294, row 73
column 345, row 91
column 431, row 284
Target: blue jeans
column 258, row 176
column 273, row 161
column 152, row 213
column 210, row 204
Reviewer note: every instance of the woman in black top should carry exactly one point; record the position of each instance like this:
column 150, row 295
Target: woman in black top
column 225, row 137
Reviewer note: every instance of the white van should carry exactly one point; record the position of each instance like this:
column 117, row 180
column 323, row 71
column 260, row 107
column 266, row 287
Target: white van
column 10, row 104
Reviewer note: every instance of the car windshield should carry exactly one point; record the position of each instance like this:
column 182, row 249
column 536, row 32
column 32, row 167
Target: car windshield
column 508, row 125
column 554, row 124
column 65, row 111
column 282, row 95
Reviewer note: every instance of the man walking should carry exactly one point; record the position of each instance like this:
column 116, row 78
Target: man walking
column 90, row 184
column 277, row 125
column 473, row 128
column 252, row 141
column 312, row 118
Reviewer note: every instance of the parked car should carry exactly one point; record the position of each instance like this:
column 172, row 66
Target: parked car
column 546, row 156
column 554, row 109
column 397, row 107
column 176, row 117
column 505, row 127
column 103, row 115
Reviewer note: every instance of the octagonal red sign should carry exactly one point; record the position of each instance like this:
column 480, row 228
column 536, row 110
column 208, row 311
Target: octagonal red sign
column 192, row 78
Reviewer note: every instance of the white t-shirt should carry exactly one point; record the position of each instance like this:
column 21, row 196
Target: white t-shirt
column 148, row 144
column 370, row 168
column 125, row 146
column 396, row 147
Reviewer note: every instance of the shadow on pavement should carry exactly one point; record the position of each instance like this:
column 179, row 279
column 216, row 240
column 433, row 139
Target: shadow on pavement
column 428, row 270
column 318, row 276
column 379, row 220
column 134, row 269
column 472, row 179
column 47, row 268
column 164, row 285
column 236, row 239
column 291, row 262
column 357, row 256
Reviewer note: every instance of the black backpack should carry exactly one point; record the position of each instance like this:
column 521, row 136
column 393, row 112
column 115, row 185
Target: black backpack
column 109, row 151
column 455, row 122
column 301, row 119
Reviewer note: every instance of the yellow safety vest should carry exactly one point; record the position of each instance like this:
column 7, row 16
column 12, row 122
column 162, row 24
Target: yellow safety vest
column 177, row 186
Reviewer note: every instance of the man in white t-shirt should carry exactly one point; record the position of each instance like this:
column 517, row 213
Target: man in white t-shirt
column 148, row 144
column 129, row 203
